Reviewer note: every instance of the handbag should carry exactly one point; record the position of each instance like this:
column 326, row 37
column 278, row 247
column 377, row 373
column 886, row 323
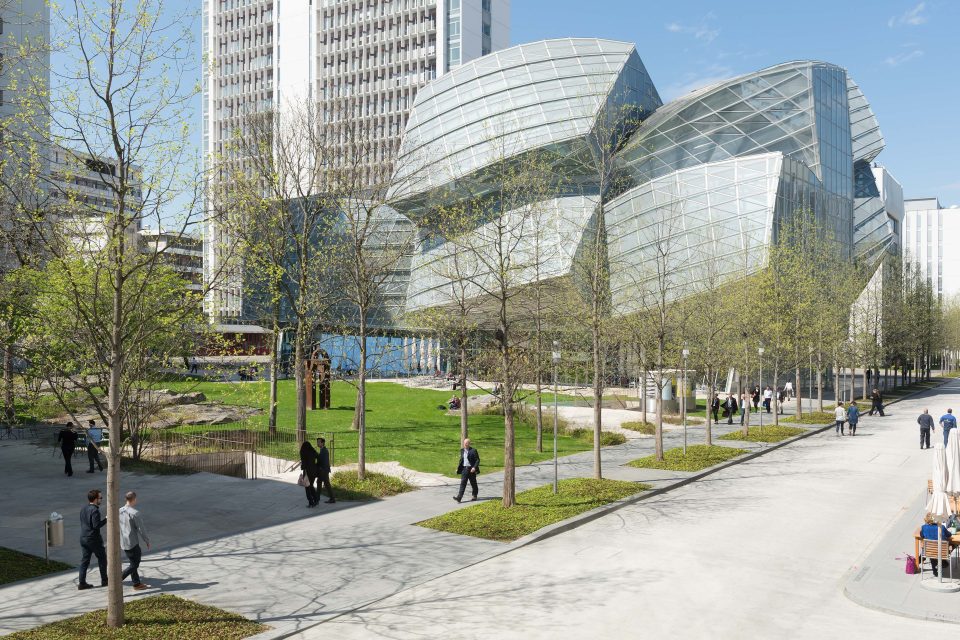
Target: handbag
column 302, row 480
column 910, row 566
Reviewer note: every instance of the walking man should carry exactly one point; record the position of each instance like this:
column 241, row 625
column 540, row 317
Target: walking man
column 840, row 415
column 715, row 408
column 91, row 541
column 876, row 402
column 853, row 416
column 323, row 468
column 468, row 467
column 131, row 532
column 947, row 422
column 731, row 407
column 767, row 398
column 94, row 438
column 68, row 442
column 926, row 426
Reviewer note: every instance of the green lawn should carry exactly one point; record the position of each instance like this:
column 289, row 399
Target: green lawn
column 810, row 417
column 534, row 510
column 403, row 424
column 157, row 618
column 699, row 456
column 770, row 433
column 20, row 566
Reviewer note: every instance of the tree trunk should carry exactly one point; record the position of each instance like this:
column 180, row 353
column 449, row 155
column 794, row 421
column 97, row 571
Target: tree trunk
column 597, row 401
column 866, row 393
column 539, row 410
column 776, row 394
column 274, row 371
column 463, row 390
column 361, row 413
column 9, row 404
column 658, row 429
column 301, row 389
column 708, row 440
column 643, row 394
column 798, row 394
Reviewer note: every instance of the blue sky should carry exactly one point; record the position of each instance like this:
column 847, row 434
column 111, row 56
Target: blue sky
column 904, row 54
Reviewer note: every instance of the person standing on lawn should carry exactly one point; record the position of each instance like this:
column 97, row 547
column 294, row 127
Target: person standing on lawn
column 926, row 426
column 840, row 415
column 91, row 542
column 131, row 532
column 68, row 442
column 853, row 417
column 468, row 467
column 94, row 438
column 948, row 423
column 323, row 469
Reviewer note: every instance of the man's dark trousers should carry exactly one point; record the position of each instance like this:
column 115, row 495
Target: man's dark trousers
column 67, row 455
column 324, row 480
column 924, row 438
column 93, row 546
column 93, row 456
column 465, row 477
column 133, row 555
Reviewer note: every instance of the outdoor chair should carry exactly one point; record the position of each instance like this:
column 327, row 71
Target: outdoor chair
column 928, row 550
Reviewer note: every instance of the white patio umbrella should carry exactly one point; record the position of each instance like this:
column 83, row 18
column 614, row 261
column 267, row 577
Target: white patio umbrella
column 938, row 505
column 952, row 486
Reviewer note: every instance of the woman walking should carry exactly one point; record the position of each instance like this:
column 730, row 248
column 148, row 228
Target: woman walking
column 310, row 469
column 853, row 417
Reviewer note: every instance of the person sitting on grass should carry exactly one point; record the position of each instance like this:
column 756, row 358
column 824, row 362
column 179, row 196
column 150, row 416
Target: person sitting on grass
column 929, row 532
column 454, row 403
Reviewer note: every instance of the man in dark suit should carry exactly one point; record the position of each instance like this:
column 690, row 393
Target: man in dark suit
column 68, row 442
column 468, row 467
column 91, row 542
column 324, row 469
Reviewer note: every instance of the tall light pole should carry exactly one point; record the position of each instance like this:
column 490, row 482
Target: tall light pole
column 810, row 377
column 683, row 399
column 556, row 361
column 760, row 355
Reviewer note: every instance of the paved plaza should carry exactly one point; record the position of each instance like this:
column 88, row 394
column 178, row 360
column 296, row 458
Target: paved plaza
column 758, row 548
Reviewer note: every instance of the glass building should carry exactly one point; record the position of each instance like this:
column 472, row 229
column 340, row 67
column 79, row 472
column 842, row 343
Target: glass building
column 713, row 174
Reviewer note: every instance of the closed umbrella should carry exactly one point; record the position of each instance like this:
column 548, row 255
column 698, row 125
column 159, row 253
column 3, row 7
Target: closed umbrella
column 938, row 505
column 952, row 486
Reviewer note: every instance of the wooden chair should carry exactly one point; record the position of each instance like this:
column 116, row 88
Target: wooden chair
column 928, row 550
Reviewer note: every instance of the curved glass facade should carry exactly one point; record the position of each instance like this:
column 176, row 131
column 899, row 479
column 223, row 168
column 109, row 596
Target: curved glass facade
column 714, row 173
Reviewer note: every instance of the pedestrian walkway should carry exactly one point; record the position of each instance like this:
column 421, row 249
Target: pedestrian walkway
column 760, row 549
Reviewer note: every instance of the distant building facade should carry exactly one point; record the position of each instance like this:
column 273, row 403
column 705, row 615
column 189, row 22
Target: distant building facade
column 182, row 252
column 365, row 61
column 931, row 235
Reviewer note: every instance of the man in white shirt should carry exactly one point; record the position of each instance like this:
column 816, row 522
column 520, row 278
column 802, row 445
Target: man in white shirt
column 840, row 415
column 131, row 532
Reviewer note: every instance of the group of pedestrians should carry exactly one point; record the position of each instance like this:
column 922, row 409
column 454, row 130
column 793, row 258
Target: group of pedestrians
column 314, row 469
column 67, row 440
column 948, row 422
column 132, row 532
column 849, row 415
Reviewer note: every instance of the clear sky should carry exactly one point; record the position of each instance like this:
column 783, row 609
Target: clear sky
column 904, row 54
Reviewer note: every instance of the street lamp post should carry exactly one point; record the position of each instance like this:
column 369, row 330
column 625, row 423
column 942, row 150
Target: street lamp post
column 683, row 400
column 556, row 361
column 760, row 355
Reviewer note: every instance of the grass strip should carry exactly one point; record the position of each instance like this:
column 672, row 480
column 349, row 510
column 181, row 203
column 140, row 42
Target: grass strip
column 158, row 617
column 699, row 456
column 15, row 565
column 767, row 434
column 646, row 428
column 811, row 417
column 374, row 486
column 534, row 509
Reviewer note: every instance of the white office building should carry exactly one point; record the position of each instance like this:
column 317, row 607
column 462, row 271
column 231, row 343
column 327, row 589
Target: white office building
column 264, row 54
column 931, row 235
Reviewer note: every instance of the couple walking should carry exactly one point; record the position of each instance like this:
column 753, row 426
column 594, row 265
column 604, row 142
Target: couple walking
column 849, row 415
column 315, row 465
column 132, row 532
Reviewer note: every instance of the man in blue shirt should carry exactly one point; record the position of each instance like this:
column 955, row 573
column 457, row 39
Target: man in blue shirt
column 947, row 422
column 94, row 438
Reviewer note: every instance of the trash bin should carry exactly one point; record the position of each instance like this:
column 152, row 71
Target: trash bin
column 55, row 530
